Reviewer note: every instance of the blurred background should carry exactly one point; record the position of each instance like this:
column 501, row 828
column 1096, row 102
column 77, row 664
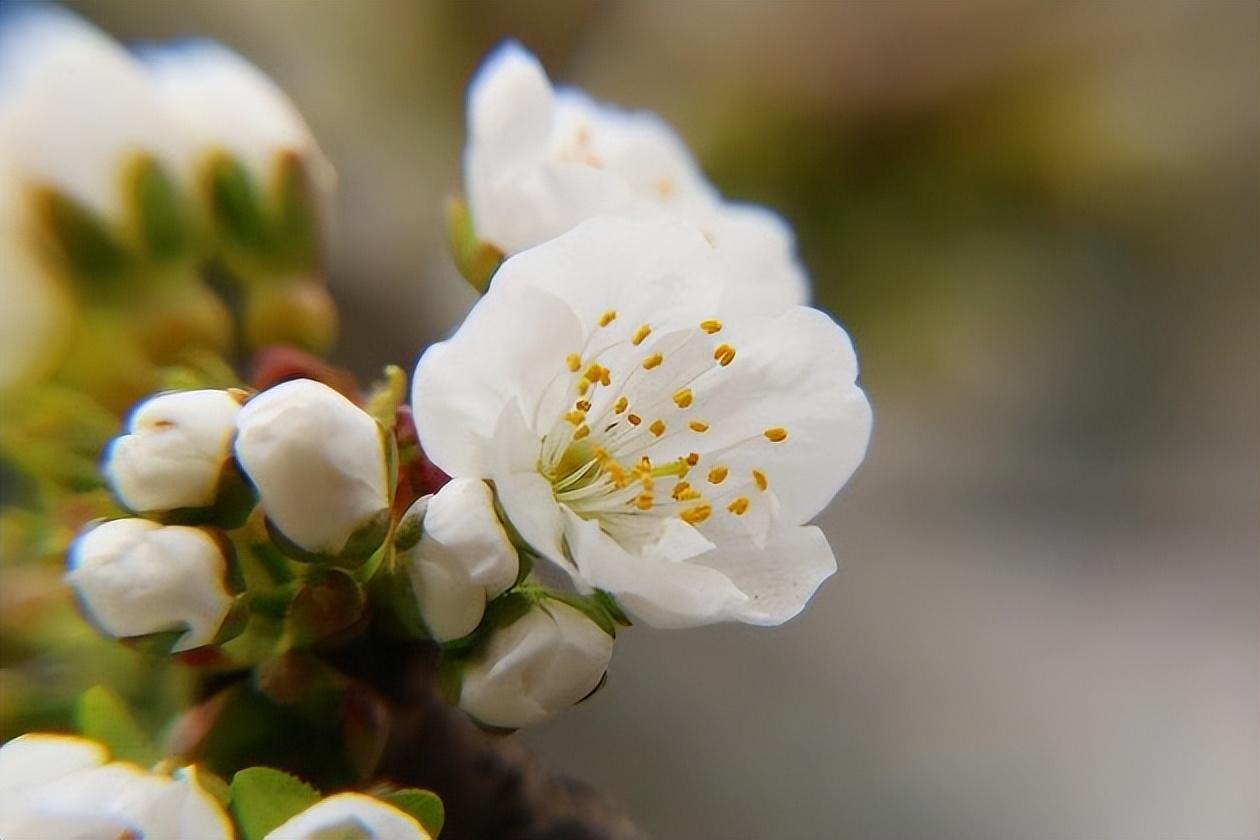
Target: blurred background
column 1039, row 223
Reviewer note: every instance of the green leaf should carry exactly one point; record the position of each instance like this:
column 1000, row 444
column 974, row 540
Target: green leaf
column 102, row 716
column 264, row 799
column 424, row 805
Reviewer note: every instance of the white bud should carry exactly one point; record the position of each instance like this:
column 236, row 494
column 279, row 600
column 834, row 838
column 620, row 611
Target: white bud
column 136, row 577
column 59, row 786
column 463, row 559
column 350, row 815
column 317, row 460
column 174, row 452
column 536, row 667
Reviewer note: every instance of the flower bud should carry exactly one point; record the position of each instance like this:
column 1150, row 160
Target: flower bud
column 350, row 815
column 174, row 452
column 544, row 662
column 320, row 465
column 135, row 577
column 462, row 559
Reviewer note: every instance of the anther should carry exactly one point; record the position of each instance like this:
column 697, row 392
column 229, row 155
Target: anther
column 581, row 431
column 739, row 506
column 762, row 481
column 574, row 361
column 683, row 398
column 724, row 354
column 653, row 361
column 575, row 417
column 644, row 501
column 697, row 426
column 622, row 404
column 776, row 435
column 696, row 515
column 692, row 458
column 640, row 334
column 711, row 326
column 658, row 427
column 634, row 419
column 583, row 405
column 583, row 386
column 717, row 475
column 608, row 317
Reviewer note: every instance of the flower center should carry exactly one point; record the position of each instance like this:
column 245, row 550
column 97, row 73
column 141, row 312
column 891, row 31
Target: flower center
column 631, row 446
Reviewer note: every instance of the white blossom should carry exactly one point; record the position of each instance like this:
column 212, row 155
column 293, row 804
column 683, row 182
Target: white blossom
column 539, row 665
column 638, row 437
column 539, row 161
column 462, row 560
column 229, row 105
column 317, row 460
column 56, row 786
column 136, row 577
column 76, row 109
column 174, row 451
column 350, row 815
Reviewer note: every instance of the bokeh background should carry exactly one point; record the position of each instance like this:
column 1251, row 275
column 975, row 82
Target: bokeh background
column 1039, row 222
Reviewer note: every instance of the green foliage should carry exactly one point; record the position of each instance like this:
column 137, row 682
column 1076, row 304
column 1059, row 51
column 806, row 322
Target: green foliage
column 424, row 805
column 264, row 799
column 102, row 716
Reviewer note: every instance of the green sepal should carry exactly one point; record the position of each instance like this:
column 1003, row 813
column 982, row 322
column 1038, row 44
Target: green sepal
column 234, row 500
column 359, row 546
column 236, row 204
column 391, row 592
column 159, row 211
column 424, row 806
column 589, row 607
column 387, row 394
column 329, row 601
column 410, row 528
column 155, row 644
column 102, row 716
column 263, row 799
column 83, row 240
column 609, row 602
column 477, row 261
column 297, row 225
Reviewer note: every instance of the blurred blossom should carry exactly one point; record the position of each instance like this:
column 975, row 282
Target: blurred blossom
column 135, row 577
column 350, row 815
column 639, row 438
column 56, row 786
column 175, row 450
column 462, row 559
column 320, row 465
column 539, row 161
column 536, row 667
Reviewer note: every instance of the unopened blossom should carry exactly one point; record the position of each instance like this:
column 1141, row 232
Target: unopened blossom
column 463, row 557
column 135, row 577
column 174, row 451
column 640, row 438
column 76, row 109
column 318, row 462
column 57, row 786
column 350, row 815
column 229, row 106
column 539, row 665
column 541, row 160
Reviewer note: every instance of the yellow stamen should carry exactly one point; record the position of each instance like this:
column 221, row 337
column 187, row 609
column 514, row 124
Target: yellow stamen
column 653, row 361
column 776, row 435
column 658, row 427
column 739, row 506
column 617, row 473
column 597, row 373
column 640, row 334
column 644, row 501
column 692, row 458
column 581, row 431
column 621, row 405
column 583, row 405
column 717, row 475
column 711, row 326
column 577, row 418
column 683, row 398
column 680, row 488
column 608, row 317
column 697, row 426
column 724, row 354
column 762, row 481
column 696, row 515
column 634, row 419
column 574, row 361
